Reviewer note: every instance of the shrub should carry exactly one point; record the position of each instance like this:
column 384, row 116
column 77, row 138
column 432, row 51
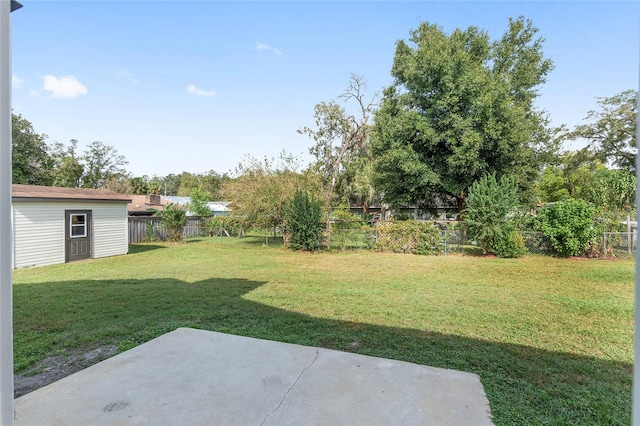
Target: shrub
column 303, row 222
column 510, row 245
column 173, row 219
column 198, row 205
column 150, row 234
column 491, row 211
column 409, row 237
column 569, row 226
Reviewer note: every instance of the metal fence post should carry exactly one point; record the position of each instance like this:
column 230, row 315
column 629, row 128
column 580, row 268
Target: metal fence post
column 446, row 237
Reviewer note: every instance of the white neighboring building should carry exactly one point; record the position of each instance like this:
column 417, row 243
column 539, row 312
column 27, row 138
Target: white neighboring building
column 57, row 225
column 218, row 208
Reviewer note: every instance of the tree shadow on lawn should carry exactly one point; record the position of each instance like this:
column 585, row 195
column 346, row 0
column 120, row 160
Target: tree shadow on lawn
column 524, row 385
column 142, row 247
column 261, row 240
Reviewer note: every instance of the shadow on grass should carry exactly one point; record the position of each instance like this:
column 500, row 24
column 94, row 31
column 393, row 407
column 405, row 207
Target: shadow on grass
column 257, row 240
column 524, row 385
column 142, row 247
column 191, row 240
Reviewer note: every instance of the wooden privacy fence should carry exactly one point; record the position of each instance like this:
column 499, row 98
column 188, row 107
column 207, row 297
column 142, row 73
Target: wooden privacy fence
column 138, row 227
column 149, row 228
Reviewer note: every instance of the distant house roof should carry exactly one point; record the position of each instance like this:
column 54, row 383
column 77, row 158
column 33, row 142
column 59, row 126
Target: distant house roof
column 219, row 206
column 214, row 206
column 183, row 201
column 140, row 204
column 37, row 192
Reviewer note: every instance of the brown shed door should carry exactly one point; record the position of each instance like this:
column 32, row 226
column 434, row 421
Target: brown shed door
column 78, row 235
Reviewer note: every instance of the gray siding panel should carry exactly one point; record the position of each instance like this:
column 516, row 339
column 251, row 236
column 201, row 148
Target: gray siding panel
column 110, row 230
column 39, row 237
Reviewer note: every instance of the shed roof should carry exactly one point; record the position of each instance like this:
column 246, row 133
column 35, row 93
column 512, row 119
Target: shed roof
column 37, row 192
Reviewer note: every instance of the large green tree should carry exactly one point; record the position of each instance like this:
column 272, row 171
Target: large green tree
column 209, row 182
column 31, row 162
column 611, row 130
column 581, row 176
column 188, row 181
column 461, row 107
column 169, row 184
column 68, row 169
column 102, row 163
column 138, row 185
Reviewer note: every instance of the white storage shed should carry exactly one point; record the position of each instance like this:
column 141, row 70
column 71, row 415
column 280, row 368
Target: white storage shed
column 57, row 225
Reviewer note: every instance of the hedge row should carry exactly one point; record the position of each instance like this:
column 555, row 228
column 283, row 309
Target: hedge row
column 409, row 237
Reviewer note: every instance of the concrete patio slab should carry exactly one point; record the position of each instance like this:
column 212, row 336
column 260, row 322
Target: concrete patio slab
column 196, row 377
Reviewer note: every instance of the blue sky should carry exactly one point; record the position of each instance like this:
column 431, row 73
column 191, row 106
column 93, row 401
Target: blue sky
column 194, row 86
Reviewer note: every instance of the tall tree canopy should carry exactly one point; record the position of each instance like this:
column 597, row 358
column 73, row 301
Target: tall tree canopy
column 210, row 182
column 169, row 183
column 102, row 163
column 611, row 130
column 461, row 107
column 341, row 138
column 31, row 162
column 68, row 169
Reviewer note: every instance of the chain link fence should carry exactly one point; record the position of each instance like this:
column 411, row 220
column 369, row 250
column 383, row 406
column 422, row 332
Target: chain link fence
column 363, row 235
column 457, row 241
column 619, row 244
column 350, row 235
column 537, row 243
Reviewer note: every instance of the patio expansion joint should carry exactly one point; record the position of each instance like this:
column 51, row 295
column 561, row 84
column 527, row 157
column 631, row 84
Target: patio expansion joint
column 292, row 386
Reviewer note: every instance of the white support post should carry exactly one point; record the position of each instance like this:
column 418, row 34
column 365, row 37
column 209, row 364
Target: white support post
column 635, row 411
column 6, row 297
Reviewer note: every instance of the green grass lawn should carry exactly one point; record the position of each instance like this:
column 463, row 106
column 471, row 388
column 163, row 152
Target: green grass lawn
column 551, row 339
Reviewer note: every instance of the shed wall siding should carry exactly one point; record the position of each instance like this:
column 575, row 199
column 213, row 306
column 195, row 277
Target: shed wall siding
column 38, row 236
column 39, row 231
column 110, row 230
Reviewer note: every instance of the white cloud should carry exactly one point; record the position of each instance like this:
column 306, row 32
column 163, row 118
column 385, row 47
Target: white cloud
column 16, row 82
column 263, row 47
column 199, row 92
column 128, row 75
column 64, row 87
